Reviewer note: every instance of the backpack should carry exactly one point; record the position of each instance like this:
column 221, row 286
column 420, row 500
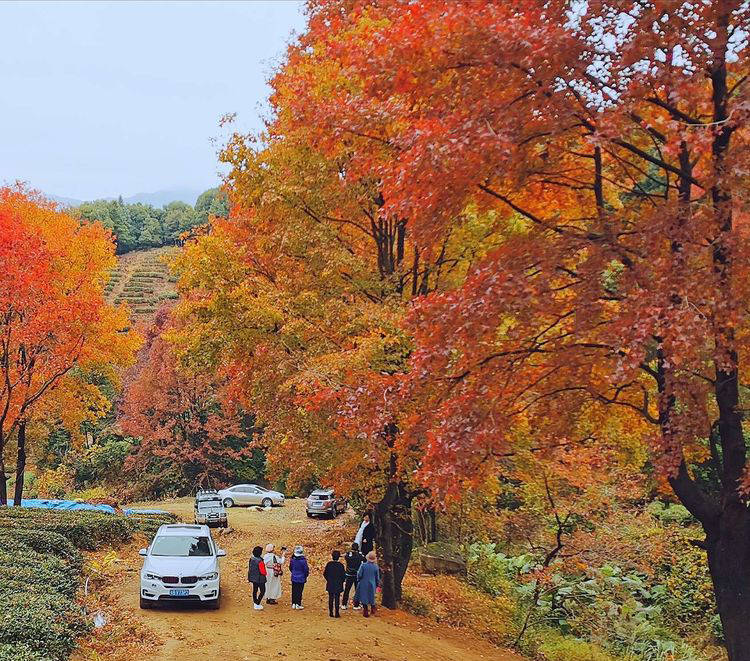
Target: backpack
column 277, row 570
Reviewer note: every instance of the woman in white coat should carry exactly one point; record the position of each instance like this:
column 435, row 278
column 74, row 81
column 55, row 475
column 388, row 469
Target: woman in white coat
column 274, row 564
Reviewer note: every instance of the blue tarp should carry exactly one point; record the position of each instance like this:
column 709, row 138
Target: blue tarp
column 64, row 505
column 131, row 511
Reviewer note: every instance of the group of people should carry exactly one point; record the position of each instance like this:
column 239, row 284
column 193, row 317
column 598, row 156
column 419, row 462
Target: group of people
column 359, row 571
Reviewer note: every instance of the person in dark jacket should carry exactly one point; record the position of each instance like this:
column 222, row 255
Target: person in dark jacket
column 256, row 574
column 366, row 535
column 334, row 573
column 368, row 578
column 353, row 560
column 299, row 570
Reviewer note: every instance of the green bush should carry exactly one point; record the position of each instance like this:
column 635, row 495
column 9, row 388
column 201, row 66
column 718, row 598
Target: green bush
column 148, row 524
column 670, row 513
column 86, row 530
column 42, row 541
column 13, row 652
column 414, row 604
column 47, row 624
column 572, row 649
column 493, row 572
column 40, row 571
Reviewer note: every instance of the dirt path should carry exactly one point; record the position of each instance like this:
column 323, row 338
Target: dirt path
column 236, row 632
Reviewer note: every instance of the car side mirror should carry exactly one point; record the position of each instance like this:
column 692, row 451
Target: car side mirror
column 220, row 553
column 143, row 552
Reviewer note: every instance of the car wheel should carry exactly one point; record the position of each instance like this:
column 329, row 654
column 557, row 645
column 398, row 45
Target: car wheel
column 309, row 516
column 146, row 603
column 228, row 502
column 213, row 604
column 266, row 502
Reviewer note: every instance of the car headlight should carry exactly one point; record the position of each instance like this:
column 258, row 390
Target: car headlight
column 209, row 577
column 152, row 577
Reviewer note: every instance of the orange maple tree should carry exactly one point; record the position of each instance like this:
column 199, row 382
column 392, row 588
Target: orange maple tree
column 610, row 141
column 53, row 314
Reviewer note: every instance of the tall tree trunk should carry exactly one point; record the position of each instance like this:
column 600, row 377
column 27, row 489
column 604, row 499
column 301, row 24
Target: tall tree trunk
column 3, row 474
column 20, row 464
column 728, row 562
column 394, row 534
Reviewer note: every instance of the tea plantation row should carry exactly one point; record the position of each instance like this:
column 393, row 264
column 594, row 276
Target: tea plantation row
column 40, row 571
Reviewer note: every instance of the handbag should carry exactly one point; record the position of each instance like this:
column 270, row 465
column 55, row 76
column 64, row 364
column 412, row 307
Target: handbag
column 277, row 570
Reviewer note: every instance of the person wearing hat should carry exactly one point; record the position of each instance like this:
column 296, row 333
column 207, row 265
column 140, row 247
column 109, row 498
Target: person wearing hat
column 368, row 580
column 274, row 570
column 299, row 570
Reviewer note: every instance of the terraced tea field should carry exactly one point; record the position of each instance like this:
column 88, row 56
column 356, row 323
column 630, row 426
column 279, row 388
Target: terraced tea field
column 142, row 280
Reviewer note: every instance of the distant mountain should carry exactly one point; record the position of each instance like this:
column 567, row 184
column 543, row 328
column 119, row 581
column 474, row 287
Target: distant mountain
column 158, row 198
column 65, row 201
column 162, row 197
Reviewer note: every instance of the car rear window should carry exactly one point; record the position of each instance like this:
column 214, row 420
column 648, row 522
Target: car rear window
column 322, row 496
column 181, row 546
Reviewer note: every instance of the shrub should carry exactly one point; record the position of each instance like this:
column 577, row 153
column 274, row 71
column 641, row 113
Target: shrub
column 33, row 571
column 493, row 572
column 14, row 652
column 86, row 530
column 670, row 513
column 55, row 483
column 414, row 604
column 47, row 624
column 572, row 649
column 148, row 524
column 41, row 541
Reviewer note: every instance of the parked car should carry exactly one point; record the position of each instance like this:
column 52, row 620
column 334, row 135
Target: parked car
column 181, row 565
column 250, row 494
column 209, row 509
column 325, row 502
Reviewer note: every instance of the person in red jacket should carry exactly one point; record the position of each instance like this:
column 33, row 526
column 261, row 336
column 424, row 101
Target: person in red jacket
column 256, row 574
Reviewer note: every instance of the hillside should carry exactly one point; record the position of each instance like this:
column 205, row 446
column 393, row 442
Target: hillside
column 142, row 280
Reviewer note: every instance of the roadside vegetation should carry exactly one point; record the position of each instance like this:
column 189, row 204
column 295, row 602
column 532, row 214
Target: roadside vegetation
column 42, row 567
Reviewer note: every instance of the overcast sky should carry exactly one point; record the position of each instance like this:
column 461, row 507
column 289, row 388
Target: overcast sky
column 107, row 98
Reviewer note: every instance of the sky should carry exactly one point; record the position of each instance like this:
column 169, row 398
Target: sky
column 103, row 99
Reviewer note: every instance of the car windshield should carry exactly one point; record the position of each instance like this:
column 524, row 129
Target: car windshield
column 181, row 546
column 210, row 507
column 214, row 500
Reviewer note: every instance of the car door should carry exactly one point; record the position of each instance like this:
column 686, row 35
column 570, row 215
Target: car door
column 255, row 495
column 246, row 495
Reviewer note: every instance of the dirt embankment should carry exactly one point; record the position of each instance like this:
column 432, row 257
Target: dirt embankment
column 236, row 632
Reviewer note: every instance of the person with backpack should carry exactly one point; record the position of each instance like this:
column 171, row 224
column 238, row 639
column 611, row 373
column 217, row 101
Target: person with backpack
column 334, row 574
column 299, row 570
column 274, row 570
column 368, row 581
column 353, row 560
column 256, row 574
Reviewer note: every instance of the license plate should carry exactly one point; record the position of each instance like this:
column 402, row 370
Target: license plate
column 179, row 593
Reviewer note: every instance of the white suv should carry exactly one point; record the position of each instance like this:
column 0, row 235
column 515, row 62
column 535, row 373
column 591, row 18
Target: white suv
column 181, row 564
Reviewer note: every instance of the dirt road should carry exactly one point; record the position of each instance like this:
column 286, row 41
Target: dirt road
column 236, row 632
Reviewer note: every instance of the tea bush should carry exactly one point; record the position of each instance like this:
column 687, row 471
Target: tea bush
column 40, row 571
column 86, row 530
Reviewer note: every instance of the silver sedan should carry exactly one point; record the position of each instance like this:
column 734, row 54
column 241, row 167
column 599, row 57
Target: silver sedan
column 250, row 494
